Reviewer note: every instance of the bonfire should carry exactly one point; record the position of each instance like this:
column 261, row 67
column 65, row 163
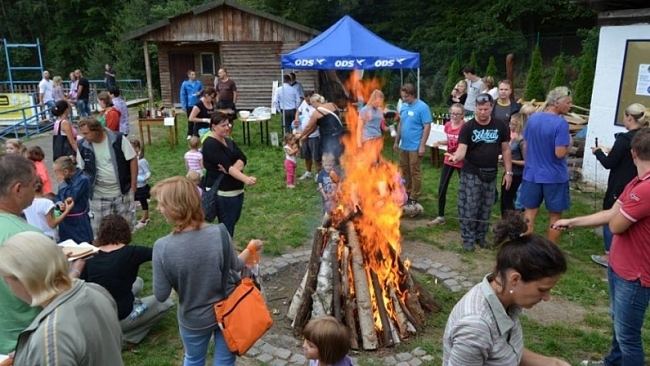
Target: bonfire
column 355, row 271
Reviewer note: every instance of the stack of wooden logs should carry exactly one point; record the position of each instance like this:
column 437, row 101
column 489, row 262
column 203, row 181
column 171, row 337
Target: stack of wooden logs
column 577, row 121
column 340, row 282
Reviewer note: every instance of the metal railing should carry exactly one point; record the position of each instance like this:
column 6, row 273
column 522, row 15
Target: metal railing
column 39, row 121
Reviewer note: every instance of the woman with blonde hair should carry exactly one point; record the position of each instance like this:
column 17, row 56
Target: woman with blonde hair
column 328, row 120
column 490, row 88
column 518, row 152
column 57, row 90
column 188, row 260
column 458, row 94
column 371, row 124
column 621, row 166
column 82, row 315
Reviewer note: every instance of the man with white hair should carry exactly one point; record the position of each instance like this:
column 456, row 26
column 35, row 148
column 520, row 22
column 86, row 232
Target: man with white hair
column 546, row 175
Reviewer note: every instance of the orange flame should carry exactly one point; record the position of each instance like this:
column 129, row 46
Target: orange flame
column 374, row 185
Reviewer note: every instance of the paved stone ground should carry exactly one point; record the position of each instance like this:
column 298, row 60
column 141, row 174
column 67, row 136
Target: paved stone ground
column 281, row 350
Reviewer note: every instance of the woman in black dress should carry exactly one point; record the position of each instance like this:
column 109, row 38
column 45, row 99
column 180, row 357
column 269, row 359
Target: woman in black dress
column 326, row 117
column 202, row 110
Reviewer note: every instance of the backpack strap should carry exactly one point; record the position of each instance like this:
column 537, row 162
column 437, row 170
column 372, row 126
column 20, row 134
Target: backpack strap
column 225, row 268
column 321, row 109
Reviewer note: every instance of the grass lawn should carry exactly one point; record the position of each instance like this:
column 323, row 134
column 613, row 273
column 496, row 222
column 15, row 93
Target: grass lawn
column 285, row 219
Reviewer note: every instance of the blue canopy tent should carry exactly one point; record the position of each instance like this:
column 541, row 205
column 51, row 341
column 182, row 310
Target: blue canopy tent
column 347, row 45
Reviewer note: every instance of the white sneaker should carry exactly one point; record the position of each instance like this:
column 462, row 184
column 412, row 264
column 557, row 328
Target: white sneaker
column 307, row 175
column 141, row 224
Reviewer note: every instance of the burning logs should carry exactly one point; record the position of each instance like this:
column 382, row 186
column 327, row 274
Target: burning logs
column 380, row 304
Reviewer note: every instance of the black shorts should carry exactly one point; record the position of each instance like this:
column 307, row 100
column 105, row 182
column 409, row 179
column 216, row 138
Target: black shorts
column 142, row 193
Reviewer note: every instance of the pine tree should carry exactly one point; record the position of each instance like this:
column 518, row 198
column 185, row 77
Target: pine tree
column 559, row 77
column 534, row 83
column 492, row 70
column 473, row 63
column 453, row 75
column 585, row 82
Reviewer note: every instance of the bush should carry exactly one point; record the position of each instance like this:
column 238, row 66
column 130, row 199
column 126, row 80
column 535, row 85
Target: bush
column 534, row 82
column 452, row 79
column 492, row 70
column 559, row 76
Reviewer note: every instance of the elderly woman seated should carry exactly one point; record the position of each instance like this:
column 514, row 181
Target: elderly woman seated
column 77, row 324
column 115, row 267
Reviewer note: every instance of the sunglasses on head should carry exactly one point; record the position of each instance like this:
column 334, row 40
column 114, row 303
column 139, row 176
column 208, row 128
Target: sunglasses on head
column 484, row 98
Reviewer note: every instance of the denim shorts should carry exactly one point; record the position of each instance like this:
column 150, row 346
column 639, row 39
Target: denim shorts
column 555, row 195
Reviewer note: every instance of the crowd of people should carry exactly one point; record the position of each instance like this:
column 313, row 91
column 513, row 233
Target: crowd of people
column 105, row 174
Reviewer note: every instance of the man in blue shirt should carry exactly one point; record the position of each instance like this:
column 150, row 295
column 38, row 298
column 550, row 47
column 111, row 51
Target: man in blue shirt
column 190, row 92
column 412, row 133
column 546, row 175
column 287, row 100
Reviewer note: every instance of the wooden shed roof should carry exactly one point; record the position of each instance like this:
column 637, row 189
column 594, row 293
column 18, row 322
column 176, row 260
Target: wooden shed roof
column 618, row 12
column 142, row 32
column 609, row 5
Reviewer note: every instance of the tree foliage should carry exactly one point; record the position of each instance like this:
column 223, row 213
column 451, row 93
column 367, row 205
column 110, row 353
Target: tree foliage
column 559, row 74
column 492, row 69
column 82, row 34
column 534, row 83
column 453, row 75
column 473, row 63
column 585, row 83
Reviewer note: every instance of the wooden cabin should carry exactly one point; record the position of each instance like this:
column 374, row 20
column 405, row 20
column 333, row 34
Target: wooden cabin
column 225, row 34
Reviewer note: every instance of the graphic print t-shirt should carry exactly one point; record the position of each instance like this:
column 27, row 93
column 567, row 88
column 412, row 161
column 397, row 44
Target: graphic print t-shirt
column 483, row 143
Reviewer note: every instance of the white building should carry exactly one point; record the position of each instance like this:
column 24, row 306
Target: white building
column 620, row 21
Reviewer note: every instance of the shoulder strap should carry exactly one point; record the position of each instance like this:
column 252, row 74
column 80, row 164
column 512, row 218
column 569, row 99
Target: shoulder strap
column 58, row 132
column 225, row 269
column 321, row 109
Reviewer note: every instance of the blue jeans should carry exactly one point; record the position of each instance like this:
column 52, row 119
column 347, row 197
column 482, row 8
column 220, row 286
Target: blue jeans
column 196, row 348
column 83, row 107
column 229, row 211
column 608, row 237
column 628, row 302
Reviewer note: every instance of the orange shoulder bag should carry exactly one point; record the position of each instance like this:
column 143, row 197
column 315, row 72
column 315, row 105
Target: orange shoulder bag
column 242, row 316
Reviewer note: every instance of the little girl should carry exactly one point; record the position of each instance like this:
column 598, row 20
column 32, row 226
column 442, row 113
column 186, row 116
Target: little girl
column 36, row 154
column 41, row 213
column 14, row 146
column 142, row 194
column 290, row 158
column 194, row 158
column 74, row 189
column 327, row 342
column 195, row 177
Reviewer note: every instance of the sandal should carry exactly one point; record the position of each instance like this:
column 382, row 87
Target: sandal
column 437, row 221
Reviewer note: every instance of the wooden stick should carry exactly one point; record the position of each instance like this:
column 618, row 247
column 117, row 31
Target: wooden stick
column 383, row 315
column 295, row 301
column 302, row 315
column 336, row 280
column 322, row 297
column 350, row 304
column 364, row 311
column 401, row 318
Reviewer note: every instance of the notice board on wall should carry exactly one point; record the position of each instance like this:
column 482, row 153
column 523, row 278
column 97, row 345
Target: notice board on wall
column 635, row 77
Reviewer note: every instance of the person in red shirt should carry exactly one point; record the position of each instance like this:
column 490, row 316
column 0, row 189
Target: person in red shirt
column 628, row 273
column 110, row 116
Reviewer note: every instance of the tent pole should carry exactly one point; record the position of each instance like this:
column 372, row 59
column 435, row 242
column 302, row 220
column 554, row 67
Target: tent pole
column 401, row 77
column 282, row 119
column 418, row 83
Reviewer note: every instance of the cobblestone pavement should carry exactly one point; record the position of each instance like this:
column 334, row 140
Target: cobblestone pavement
column 281, row 350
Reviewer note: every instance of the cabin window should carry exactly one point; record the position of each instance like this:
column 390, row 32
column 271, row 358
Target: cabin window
column 207, row 63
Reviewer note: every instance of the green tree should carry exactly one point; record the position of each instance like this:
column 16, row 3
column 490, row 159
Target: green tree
column 453, row 76
column 585, row 83
column 473, row 63
column 559, row 76
column 534, row 83
column 492, row 69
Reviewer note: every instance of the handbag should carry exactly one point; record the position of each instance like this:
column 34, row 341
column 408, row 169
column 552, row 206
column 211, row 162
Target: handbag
column 242, row 316
column 61, row 146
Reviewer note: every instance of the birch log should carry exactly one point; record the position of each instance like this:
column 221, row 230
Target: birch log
column 302, row 316
column 295, row 302
column 387, row 338
column 364, row 311
column 401, row 318
column 322, row 297
column 350, row 304
column 336, row 280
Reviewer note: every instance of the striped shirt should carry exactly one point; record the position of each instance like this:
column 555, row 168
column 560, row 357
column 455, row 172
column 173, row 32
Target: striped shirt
column 193, row 161
column 479, row 331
